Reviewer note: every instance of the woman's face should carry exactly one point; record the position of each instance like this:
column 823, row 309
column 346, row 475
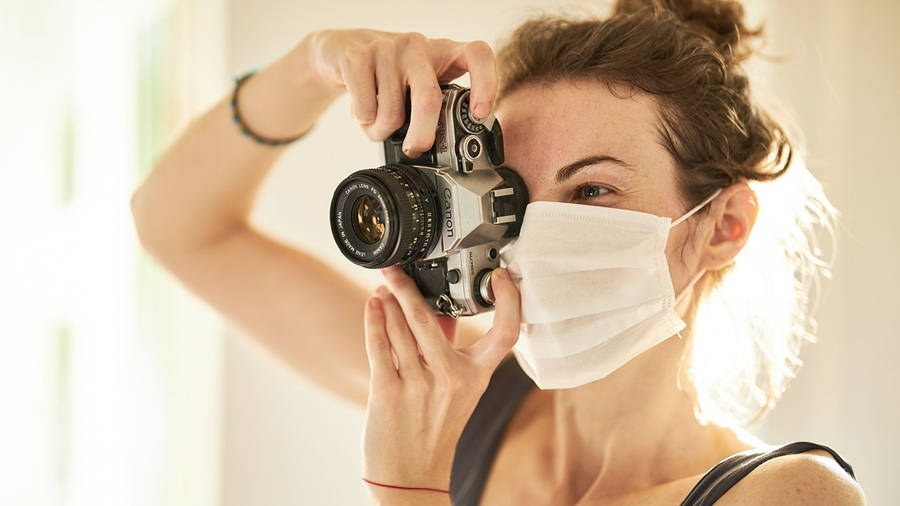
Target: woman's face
column 548, row 127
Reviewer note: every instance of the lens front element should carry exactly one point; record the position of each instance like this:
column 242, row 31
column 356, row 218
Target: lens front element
column 369, row 222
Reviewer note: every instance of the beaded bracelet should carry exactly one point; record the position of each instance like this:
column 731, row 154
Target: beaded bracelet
column 427, row 489
column 236, row 115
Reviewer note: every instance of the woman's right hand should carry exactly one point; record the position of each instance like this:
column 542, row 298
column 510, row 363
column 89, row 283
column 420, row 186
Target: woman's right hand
column 376, row 67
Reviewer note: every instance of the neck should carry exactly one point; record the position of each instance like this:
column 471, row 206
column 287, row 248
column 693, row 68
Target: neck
column 634, row 429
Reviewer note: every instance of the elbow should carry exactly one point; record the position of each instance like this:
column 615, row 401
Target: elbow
column 147, row 222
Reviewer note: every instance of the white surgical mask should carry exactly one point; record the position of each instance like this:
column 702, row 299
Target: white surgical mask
column 595, row 289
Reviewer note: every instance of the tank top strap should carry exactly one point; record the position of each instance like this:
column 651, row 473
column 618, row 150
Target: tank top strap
column 480, row 439
column 729, row 471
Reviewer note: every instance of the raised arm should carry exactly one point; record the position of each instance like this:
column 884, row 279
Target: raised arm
column 191, row 211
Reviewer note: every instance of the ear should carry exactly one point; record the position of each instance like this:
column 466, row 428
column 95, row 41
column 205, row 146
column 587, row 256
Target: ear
column 733, row 214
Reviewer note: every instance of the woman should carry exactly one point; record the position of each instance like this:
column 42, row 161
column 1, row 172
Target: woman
column 654, row 108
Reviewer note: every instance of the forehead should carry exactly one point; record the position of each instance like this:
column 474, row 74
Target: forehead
column 547, row 126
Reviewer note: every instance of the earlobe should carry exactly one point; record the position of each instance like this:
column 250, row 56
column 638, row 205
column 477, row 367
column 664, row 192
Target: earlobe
column 734, row 213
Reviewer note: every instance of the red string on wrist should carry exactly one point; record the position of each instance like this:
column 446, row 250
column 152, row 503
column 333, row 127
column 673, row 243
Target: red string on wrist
column 406, row 488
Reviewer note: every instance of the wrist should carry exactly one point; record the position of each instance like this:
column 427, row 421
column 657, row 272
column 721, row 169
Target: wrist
column 286, row 97
column 302, row 72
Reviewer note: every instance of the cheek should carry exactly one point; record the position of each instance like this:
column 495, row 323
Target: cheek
column 680, row 255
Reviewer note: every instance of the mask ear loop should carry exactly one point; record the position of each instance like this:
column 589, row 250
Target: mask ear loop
column 696, row 208
column 700, row 274
column 686, row 289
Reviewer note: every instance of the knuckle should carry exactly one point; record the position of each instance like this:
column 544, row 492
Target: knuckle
column 479, row 49
column 450, row 381
column 381, row 290
column 383, row 48
column 449, row 388
column 418, row 388
column 354, row 57
column 413, row 39
column 422, row 315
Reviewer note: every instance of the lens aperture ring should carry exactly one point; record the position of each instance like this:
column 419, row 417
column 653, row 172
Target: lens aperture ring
column 418, row 231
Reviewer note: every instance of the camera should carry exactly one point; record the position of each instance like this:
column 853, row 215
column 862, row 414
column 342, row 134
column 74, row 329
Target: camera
column 442, row 216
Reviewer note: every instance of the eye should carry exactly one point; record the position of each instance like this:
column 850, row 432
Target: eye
column 590, row 191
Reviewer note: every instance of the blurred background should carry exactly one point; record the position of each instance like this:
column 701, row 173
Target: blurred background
column 120, row 388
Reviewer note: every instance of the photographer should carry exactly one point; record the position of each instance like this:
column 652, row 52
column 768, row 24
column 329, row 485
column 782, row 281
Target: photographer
column 638, row 141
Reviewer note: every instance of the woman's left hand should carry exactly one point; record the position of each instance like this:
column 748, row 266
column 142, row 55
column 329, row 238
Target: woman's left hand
column 417, row 409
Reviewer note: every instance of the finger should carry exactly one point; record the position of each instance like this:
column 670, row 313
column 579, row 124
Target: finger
column 378, row 347
column 446, row 69
column 399, row 334
column 499, row 340
column 419, row 316
column 448, row 327
column 426, row 98
column 390, row 96
column 358, row 72
column 478, row 58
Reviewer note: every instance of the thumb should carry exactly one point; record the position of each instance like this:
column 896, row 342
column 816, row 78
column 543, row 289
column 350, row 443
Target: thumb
column 490, row 350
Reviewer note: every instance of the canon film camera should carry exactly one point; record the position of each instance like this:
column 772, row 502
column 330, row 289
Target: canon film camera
column 443, row 216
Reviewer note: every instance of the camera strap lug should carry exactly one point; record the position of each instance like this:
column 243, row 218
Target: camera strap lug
column 448, row 307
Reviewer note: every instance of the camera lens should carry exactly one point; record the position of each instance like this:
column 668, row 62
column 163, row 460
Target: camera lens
column 369, row 222
column 385, row 216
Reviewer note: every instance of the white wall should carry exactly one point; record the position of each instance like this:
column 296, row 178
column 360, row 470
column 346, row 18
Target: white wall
column 286, row 443
column 843, row 85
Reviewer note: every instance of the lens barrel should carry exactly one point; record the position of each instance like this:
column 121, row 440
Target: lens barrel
column 385, row 216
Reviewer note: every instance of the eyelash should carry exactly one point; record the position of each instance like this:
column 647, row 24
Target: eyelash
column 578, row 191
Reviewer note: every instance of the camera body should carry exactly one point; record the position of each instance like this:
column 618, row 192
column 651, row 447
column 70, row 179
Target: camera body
column 442, row 216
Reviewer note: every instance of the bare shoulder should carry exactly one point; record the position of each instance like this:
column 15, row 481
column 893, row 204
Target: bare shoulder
column 807, row 478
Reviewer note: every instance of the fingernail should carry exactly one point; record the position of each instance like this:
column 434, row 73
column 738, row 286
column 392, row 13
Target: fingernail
column 481, row 111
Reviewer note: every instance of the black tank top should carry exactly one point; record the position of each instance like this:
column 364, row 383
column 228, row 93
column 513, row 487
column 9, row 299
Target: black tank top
column 481, row 436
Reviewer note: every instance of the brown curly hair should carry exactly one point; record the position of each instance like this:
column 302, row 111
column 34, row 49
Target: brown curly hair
column 687, row 56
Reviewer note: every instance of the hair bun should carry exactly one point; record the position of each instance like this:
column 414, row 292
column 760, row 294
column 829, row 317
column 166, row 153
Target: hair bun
column 720, row 20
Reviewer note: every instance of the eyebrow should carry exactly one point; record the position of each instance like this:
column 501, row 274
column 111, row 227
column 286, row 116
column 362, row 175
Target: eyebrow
column 573, row 168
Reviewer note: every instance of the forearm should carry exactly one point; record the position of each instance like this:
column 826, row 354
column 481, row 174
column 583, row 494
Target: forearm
column 205, row 183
